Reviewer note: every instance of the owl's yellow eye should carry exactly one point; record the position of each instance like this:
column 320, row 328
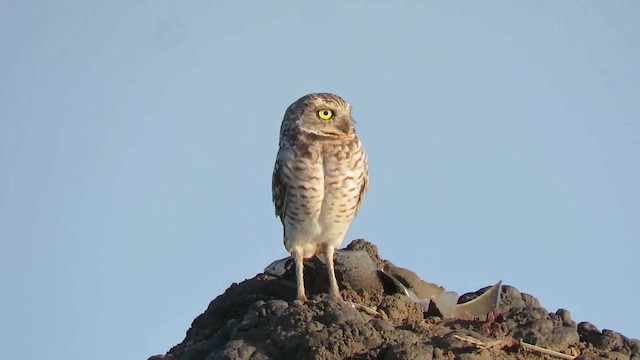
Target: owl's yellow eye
column 325, row 114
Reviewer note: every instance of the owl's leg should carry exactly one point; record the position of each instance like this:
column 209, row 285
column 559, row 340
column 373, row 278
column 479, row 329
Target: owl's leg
column 297, row 255
column 333, row 283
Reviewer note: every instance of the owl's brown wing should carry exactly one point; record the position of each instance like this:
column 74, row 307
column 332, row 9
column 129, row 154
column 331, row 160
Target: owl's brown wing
column 365, row 182
column 279, row 187
column 363, row 189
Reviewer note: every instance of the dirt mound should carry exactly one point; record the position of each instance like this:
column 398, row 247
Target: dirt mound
column 258, row 319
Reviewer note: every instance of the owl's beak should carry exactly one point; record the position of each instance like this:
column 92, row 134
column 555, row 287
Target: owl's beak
column 345, row 127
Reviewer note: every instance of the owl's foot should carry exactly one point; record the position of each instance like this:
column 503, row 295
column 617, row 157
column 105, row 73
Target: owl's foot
column 333, row 283
column 335, row 293
column 302, row 298
column 298, row 257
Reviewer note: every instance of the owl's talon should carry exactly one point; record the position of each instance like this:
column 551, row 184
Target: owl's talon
column 336, row 295
column 301, row 302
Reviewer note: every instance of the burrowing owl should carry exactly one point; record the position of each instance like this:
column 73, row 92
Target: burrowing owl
column 319, row 179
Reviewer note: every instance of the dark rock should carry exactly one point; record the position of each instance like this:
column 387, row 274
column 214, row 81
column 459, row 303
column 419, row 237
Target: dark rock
column 511, row 298
column 371, row 249
column 616, row 355
column 565, row 315
column 536, row 326
column 410, row 352
column 438, row 354
column 586, row 327
column 258, row 319
column 479, row 355
column 607, row 340
column 591, row 357
column 382, row 325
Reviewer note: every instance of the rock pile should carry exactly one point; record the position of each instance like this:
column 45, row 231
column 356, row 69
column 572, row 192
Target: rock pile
column 257, row 319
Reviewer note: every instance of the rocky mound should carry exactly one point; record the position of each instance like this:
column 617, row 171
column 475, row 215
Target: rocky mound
column 258, row 319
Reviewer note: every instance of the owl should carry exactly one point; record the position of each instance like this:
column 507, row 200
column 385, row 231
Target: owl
column 319, row 180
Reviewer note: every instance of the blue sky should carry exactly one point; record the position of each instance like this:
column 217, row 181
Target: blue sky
column 137, row 142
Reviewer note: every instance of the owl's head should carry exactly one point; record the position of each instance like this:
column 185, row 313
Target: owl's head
column 321, row 114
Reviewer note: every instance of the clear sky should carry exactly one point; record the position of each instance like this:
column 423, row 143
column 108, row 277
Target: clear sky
column 137, row 141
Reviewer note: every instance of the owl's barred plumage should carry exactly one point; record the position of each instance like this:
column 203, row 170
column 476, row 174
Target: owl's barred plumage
column 319, row 179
